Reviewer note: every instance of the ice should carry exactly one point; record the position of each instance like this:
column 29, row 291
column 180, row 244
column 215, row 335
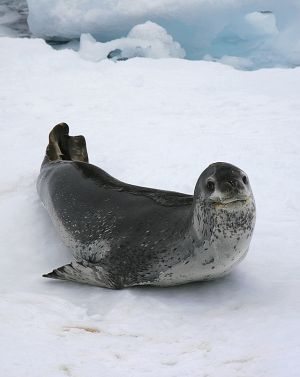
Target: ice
column 265, row 32
column 233, row 61
column 147, row 40
column 13, row 18
column 157, row 41
column 154, row 123
column 254, row 37
column 259, row 24
column 7, row 31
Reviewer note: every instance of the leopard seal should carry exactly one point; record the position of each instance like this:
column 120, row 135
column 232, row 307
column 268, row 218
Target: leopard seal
column 123, row 235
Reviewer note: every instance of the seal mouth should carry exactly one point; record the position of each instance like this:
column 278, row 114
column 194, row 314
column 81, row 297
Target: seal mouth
column 233, row 200
column 229, row 201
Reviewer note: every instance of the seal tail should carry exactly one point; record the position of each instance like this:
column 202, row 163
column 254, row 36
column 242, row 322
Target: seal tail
column 64, row 147
column 93, row 275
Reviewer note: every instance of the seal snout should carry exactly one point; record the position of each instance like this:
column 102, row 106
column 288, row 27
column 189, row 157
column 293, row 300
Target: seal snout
column 232, row 186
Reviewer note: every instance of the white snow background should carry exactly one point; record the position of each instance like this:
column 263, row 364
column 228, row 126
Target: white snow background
column 154, row 123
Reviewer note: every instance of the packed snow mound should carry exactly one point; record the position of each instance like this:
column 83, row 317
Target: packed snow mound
column 265, row 32
column 147, row 40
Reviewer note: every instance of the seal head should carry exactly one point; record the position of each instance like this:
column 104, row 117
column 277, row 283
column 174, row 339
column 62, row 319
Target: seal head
column 222, row 183
column 223, row 219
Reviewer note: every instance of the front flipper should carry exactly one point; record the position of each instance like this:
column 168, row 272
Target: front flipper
column 94, row 275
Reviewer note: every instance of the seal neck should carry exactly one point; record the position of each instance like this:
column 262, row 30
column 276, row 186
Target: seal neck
column 202, row 222
column 212, row 220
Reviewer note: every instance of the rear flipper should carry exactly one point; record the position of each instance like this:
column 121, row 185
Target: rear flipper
column 64, row 147
column 94, row 275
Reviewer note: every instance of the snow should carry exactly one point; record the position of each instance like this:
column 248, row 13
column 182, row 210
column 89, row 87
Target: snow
column 155, row 123
column 146, row 40
column 266, row 32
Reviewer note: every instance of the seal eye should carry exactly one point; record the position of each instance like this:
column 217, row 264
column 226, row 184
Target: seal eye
column 210, row 186
column 245, row 180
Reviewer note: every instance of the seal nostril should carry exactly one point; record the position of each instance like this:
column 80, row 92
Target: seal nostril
column 210, row 186
column 245, row 180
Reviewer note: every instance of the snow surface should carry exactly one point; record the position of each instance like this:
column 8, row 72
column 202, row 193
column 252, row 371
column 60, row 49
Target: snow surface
column 266, row 32
column 156, row 123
